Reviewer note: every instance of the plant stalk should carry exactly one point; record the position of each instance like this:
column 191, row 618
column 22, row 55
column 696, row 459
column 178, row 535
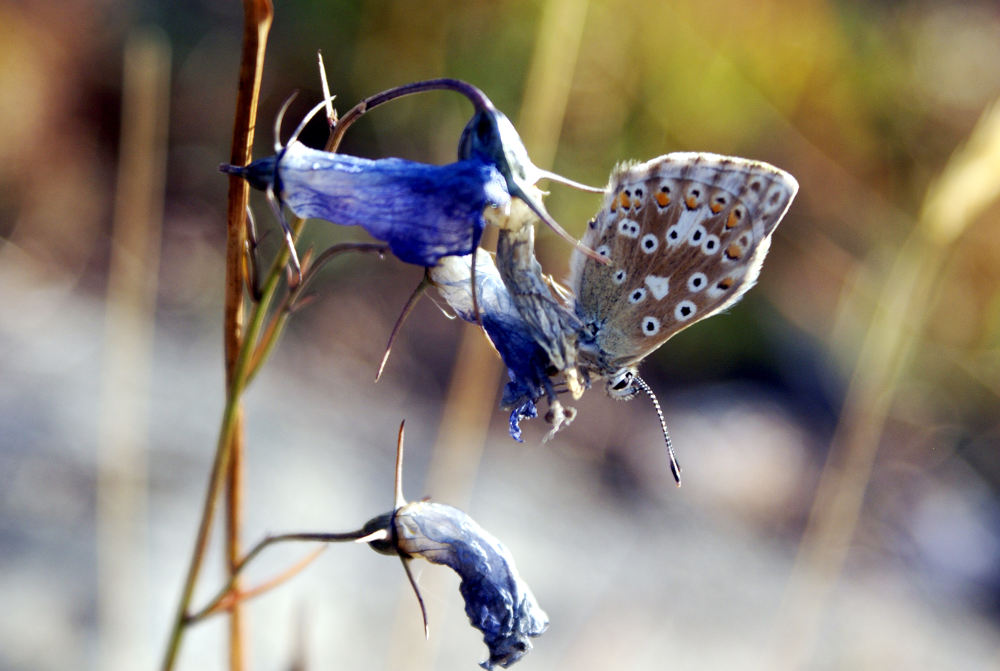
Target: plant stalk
column 258, row 15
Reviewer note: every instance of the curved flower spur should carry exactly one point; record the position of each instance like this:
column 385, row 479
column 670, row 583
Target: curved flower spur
column 498, row 602
column 425, row 212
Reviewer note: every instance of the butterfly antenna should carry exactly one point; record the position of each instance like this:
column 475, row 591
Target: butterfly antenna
column 411, row 302
column 675, row 467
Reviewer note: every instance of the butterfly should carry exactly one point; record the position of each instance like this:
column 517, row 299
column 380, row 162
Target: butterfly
column 682, row 236
column 686, row 235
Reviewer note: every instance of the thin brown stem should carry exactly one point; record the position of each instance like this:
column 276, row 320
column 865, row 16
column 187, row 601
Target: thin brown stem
column 294, row 298
column 258, row 15
column 229, row 587
column 228, row 598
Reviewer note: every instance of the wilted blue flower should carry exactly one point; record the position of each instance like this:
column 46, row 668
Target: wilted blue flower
column 424, row 212
column 526, row 361
column 498, row 602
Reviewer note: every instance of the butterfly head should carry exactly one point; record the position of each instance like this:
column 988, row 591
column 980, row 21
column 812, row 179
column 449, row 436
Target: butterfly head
column 622, row 385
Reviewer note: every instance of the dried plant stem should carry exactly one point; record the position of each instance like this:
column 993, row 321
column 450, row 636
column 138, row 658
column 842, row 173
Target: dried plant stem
column 230, row 422
column 258, row 15
column 294, row 298
column 229, row 598
column 216, row 603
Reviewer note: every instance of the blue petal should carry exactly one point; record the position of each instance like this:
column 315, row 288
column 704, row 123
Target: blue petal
column 526, row 410
column 498, row 602
column 424, row 212
column 512, row 337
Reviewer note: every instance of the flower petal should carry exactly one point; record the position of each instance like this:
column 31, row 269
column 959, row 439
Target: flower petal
column 526, row 361
column 498, row 602
column 424, row 212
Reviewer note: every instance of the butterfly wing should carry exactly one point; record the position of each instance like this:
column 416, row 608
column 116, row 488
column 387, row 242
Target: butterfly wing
column 686, row 234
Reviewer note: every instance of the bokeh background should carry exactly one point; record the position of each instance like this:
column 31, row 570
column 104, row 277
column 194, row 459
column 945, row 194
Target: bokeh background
column 839, row 428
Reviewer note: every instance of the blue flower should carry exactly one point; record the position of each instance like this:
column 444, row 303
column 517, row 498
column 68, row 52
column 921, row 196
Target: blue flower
column 498, row 602
column 512, row 337
column 424, row 212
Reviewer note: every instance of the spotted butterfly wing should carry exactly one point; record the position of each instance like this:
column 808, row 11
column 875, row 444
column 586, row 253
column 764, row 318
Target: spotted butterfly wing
column 686, row 234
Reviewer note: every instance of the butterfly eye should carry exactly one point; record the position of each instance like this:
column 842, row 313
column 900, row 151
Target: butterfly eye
column 621, row 385
column 623, row 382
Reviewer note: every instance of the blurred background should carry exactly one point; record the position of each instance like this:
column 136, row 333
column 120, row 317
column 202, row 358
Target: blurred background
column 838, row 428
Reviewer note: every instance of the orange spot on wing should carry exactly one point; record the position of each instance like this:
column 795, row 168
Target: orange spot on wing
column 734, row 251
column 625, row 200
column 636, row 203
column 716, row 208
column 691, row 202
column 663, row 199
column 725, row 284
column 732, row 220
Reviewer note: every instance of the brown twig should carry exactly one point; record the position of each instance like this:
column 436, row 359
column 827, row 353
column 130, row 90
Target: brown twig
column 258, row 15
column 228, row 599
